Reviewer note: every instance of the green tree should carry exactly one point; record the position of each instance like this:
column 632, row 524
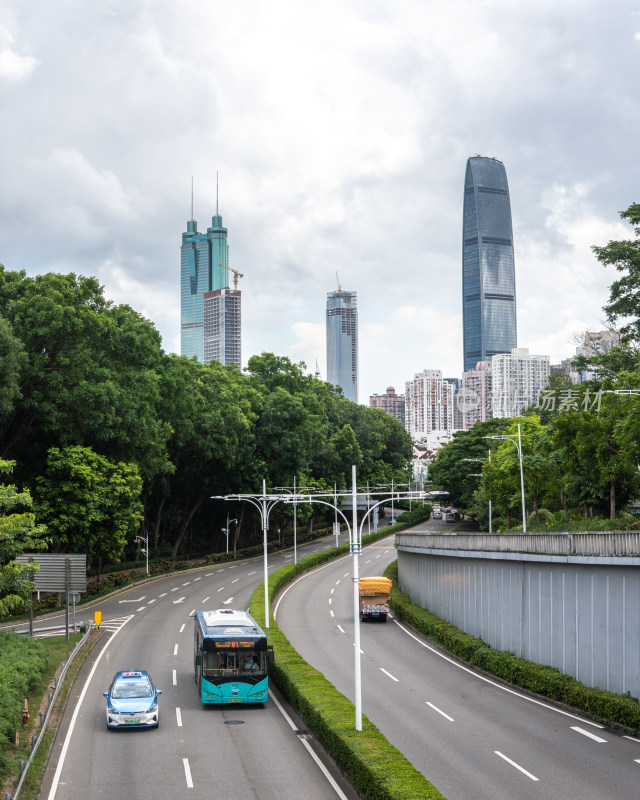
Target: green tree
column 18, row 534
column 90, row 504
column 12, row 359
column 624, row 294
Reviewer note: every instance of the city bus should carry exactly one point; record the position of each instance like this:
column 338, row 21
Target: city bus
column 230, row 656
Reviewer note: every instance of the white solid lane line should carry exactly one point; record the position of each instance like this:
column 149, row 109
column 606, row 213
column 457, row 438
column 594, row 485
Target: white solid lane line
column 393, row 678
column 435, row 708
column 187, row 773
column 178, row 717
column 589, row 734
column 517, row 766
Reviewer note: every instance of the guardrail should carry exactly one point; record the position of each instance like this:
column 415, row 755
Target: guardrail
column 52, row 699
column 604, row 544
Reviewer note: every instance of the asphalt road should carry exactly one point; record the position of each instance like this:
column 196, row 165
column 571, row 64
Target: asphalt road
column 204, row 751
column 470, row 735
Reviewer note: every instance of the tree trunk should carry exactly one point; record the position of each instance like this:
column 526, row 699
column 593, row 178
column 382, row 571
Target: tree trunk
column 508, row 519
column 185, row 523
column 563, row 501
column 612, row 500
column 156, row 524
column 237, row 530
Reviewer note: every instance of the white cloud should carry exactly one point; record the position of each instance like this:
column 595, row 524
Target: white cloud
column 15, row 67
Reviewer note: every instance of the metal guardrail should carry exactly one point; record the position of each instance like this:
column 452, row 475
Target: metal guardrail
column 602, row 544
column 52, row 699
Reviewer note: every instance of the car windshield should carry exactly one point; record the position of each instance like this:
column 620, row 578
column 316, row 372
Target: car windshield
column 129, row 689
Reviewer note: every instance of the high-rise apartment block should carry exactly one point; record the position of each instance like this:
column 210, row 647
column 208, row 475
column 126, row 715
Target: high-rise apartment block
column 342, row 342
column 518, row 378
column 488, row 272
column 210, row 311
column 428, row 404
column 594, row 343
column 390, row 402
column 477, row 387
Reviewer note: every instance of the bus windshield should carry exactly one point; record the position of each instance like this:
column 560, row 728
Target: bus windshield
column 222, row 663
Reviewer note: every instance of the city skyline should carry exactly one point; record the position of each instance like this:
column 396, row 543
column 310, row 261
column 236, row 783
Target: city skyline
column 315, row 177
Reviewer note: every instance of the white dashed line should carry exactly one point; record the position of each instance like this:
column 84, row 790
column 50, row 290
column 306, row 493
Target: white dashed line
column 346, row 575
column 517, row 766
column 175, row 678
column 235, row 580
column 182, row 627
column 142, row 608
column 329, row 601
column 338, row 581
column 176, row 589
column 187, row 583
column 341, row 629
column 192, row 612
column 332, row 591
column 589, row 734
column 152, row 601
column 178, row 717
column 331, row 612
column 221, row 589
column 205, row 599
column 197, row 579
column 187, row 773
column 208, row 575
column 175, row 650
column 164, row 594
column 393, row 678
column 435, row 708
column 252, row 573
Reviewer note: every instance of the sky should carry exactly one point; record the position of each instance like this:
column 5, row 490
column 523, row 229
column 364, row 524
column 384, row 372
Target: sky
column 340, row 132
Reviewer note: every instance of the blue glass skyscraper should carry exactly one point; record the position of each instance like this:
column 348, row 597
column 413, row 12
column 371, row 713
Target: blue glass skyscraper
column 488, row 272
column 342, row 342
column 200, row 257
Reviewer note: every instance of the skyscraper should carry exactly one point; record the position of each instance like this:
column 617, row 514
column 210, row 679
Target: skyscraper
column 210, row 311
column 428, row 404
column 342, row 342
column 488, row 272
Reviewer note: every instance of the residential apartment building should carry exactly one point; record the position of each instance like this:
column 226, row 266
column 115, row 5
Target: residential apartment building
column 429, row 405
column 477, row 386
column 517, row 378
column 390, row 402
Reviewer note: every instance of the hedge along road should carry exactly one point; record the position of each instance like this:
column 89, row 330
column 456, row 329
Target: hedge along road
column 239, row 751
column 470, row 735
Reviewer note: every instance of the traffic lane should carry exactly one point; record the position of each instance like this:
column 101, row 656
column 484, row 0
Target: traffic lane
column 182, row 752
column 506, row 732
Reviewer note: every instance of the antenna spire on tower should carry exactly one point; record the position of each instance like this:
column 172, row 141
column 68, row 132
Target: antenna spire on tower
column 216, row 193
column 192, row 197
column 338, row 281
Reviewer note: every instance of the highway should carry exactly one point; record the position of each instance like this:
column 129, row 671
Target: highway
column 203, row 751
column 472, row 736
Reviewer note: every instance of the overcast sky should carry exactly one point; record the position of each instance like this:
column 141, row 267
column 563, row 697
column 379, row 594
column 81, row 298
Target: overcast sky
column 340, row 131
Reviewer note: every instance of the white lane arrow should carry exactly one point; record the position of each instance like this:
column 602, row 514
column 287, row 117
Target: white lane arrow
column 227, row 601
column 179, row 600
column 139, row 600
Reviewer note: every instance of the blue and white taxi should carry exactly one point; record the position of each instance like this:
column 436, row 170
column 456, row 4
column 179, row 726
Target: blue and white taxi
column 132, row 700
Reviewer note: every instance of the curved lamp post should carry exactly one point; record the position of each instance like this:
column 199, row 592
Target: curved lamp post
column 518, row 444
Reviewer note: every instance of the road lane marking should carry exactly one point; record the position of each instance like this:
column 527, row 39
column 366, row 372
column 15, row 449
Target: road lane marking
column 332, row 591
column 252, row 573
column 138, row 600
column 205, row 599
column 152, row 601
column 178, row 717
column 198, row 579
column 221, row 588
column 208, row 574
column 488, row 680
column 233, row 566
column 435, row 708
column 329, row 602
column 175, row 678
column 331, row 612
column 182, row 627
column 175, row 650
column 227, row 601
column 633, row 739
column 176, row 589
column 192, row 612
column 164, row 594
column 235, row 580
column 338, row 581
column 589, row 734
column 309, row 750
column 637, row 760
column 187, row 583
column 187, row 773
column 341, row 629
column 179, row 600
column 346, row 575
column 393, row 677
column 65, row 746
column 142, row 608
column 517, row 766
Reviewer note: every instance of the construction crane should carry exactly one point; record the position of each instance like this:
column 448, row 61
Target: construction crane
column 236, row 275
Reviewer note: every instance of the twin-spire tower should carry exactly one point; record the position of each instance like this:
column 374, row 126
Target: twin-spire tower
column 211, row 323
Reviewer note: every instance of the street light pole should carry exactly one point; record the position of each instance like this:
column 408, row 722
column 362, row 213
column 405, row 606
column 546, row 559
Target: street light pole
column 355, row 549
column 518, row 445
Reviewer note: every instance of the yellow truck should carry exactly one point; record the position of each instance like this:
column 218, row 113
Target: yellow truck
column 374, row 598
